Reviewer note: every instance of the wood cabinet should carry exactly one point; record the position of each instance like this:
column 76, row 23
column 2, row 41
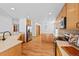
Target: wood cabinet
column 28, row 22
column 22, row 37
column 71, row 11
column 14, row 51
column 62, row 14
column 72, row 15
column 58, row 52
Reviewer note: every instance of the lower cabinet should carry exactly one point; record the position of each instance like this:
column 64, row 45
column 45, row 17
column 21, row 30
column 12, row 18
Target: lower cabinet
column 22, row 37
column 58, row 52
column 14, row 51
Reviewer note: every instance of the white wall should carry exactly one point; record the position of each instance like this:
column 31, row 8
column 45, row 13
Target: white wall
column 37, row 13
column 47, row 27
column 5, row 21
column 33, row 28
column 22, row 25
column 5, row 24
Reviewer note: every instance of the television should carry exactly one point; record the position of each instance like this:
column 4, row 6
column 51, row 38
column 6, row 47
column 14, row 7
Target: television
column 63, row 23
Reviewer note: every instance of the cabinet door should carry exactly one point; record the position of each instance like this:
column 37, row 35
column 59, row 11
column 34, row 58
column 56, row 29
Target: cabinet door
column 58, row 52
column 22, row 37
column 72, row 15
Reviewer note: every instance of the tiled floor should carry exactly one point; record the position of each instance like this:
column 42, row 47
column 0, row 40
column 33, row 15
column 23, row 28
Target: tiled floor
column 39, row 46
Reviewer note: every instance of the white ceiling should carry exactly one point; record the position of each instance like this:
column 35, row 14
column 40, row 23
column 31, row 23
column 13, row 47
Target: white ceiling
column 38, row 11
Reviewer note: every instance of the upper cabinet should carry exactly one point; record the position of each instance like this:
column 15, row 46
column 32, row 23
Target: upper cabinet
column 72, row 15
column 71, row 12
column 62, row 13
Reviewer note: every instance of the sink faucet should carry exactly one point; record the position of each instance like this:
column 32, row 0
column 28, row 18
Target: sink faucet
column 4, row 35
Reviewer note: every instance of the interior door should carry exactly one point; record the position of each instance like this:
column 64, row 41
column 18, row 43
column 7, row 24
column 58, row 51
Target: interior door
column 37, row 29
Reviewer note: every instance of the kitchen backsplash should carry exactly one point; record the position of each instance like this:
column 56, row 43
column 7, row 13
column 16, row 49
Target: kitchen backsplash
column 61, row 32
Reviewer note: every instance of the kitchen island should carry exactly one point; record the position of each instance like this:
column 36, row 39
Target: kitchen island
column 11, row 46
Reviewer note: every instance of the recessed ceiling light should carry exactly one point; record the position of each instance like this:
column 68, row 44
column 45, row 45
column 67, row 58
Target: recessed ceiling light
column 53, row 21
column 13, row 9
column 28, row 17
column 50, row 13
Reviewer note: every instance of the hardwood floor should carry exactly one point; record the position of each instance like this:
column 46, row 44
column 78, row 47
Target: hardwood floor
column 39, row 46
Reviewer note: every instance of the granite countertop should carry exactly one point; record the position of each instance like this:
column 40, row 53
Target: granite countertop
column 10, row 42
column 60, row 44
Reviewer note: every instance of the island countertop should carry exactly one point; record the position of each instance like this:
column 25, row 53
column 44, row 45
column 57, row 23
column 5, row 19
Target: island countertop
column 10, row 42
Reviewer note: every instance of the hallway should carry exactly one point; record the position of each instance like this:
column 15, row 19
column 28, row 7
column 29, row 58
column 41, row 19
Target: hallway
column 39, row 46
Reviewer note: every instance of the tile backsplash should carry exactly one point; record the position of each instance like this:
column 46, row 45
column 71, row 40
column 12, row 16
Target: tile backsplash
column 61, row 32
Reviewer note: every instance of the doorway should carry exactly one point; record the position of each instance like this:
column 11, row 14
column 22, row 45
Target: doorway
column 37, row 29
